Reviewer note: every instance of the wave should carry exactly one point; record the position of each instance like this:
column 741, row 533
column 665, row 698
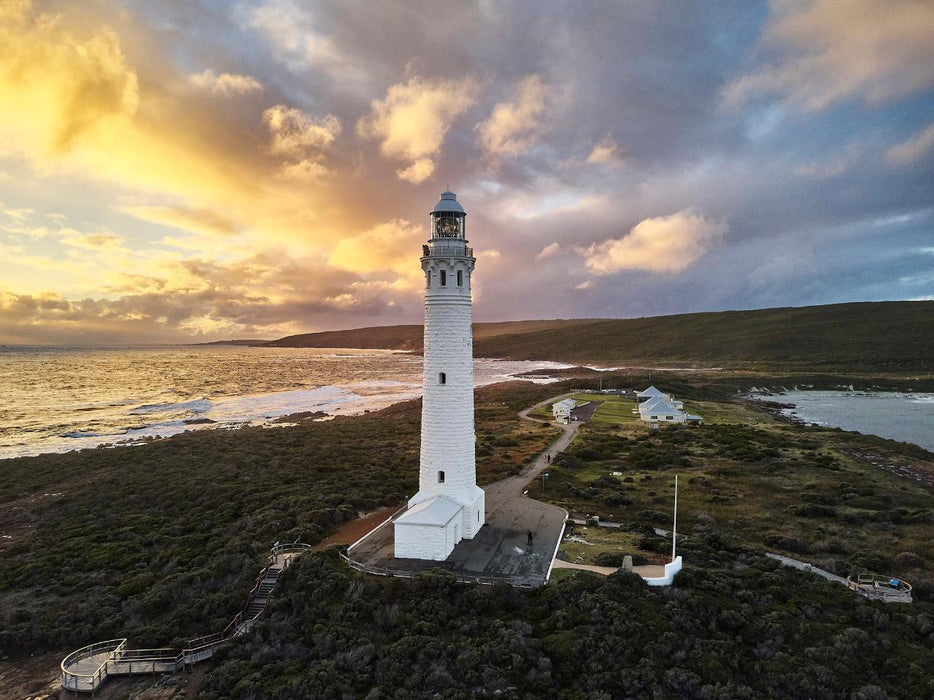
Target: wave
column 195, row 406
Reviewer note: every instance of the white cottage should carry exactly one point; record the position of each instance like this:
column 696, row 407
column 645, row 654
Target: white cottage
column 659, row 410
column 651, row 393
column 562, row 409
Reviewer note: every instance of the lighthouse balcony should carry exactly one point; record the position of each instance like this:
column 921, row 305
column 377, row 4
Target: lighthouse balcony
column 447, row 251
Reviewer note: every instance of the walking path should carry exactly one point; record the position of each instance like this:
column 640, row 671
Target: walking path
column 87, row 668
column 804, row 566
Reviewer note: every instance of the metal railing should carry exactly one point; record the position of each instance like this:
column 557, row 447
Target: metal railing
column 465, row 251
column 879, row 587
column 72, row 680
column 123, row 661
column 515, row 581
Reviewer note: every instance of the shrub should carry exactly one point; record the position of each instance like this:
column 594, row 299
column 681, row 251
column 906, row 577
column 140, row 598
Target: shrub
column 909, row 560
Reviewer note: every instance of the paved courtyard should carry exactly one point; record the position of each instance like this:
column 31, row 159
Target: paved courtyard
column 500, row 551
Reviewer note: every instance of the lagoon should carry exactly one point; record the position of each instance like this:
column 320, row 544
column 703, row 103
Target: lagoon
column 906, row 417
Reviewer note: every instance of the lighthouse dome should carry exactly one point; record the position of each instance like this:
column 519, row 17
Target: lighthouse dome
column 448, row 204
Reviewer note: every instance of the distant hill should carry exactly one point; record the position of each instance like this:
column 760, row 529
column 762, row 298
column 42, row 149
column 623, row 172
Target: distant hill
column 882, row 336
column 255, row 341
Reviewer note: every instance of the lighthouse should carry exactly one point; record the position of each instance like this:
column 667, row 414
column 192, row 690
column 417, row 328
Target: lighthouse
column 449, row 506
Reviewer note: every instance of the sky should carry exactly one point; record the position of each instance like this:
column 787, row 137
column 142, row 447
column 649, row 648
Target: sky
column 195, row 170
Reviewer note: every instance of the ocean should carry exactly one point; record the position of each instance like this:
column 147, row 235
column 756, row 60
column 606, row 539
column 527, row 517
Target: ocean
column 56, row 399
column 906, row 417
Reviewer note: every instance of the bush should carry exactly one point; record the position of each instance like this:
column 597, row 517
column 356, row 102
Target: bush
column 909, row 560
column 812, row 510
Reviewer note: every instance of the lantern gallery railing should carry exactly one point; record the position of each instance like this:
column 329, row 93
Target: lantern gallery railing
column 447, row 250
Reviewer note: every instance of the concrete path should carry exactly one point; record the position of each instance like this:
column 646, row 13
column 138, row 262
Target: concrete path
column 804, row 566
column 605, row 570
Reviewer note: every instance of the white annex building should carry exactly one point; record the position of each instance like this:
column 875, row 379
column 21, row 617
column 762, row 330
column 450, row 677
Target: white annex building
column 562, row 409
column 449, row 506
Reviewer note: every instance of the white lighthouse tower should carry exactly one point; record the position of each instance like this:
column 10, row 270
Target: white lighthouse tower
column 449, row 506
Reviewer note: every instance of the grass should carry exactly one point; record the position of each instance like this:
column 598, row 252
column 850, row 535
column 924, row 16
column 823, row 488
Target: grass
column 811, row 493
column 612, row 408
column 890, row 337
column 598, row 541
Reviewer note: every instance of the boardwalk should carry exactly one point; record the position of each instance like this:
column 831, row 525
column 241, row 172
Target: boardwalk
column 87, row 668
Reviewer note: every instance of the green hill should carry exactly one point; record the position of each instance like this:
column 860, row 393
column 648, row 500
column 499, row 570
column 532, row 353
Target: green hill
column 892, row 336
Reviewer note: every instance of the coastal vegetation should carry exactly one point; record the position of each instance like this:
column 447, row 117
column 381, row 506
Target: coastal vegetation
column 888, row 337
column 736, row 625
column 841, row 501
column 162, row 541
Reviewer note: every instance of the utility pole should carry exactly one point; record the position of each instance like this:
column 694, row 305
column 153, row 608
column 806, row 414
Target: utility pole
column 544, row 476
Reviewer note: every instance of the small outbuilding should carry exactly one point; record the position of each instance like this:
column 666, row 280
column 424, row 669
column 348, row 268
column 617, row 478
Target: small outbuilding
column 562, row 409
column 428, row 530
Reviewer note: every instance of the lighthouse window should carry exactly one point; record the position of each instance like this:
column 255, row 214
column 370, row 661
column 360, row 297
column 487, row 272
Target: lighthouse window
column 440, row 477
column 444, row 278
column 460, row 278
column 428, row 278
column 442, row 378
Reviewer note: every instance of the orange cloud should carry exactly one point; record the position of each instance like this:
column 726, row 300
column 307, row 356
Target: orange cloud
column 515, row 125
column 606, row 152
column 663, row 244
column 413, row 120
column 225, row 84
column 837, row 49
column 391, row 246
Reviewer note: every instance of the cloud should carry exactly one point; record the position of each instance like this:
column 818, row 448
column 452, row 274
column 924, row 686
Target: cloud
column 548, row 251
column 301, row 140
column 606, row 152
column 514, row 126
column 225, row 84
column 833, row 167
column 55, row 87
column 413, row 120
column 196, row 220
column 663, row 244
column 913, row 149
column 92, row 241
column 294, row 133
column 390, row 246
column 23, row 214
column 831, row 50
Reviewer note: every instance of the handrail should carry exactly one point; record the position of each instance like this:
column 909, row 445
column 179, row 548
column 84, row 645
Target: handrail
column 194, row 650
column 516, row 581
column 111, row 646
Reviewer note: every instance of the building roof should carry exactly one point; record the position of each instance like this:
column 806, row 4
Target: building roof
column 659, row 406
column 435, row 511
column 651, row 391
column 569, row 403
column 448, row 203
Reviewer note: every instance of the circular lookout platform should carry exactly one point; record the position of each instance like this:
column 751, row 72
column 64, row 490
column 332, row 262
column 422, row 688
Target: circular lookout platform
column 880, row 587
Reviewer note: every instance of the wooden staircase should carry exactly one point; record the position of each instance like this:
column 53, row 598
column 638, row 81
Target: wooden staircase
column 87, row 668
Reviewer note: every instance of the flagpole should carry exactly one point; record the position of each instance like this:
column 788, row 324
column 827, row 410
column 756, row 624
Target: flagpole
column 674, row 526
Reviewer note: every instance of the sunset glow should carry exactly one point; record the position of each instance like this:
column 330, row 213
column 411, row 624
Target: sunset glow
column 199, row 171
